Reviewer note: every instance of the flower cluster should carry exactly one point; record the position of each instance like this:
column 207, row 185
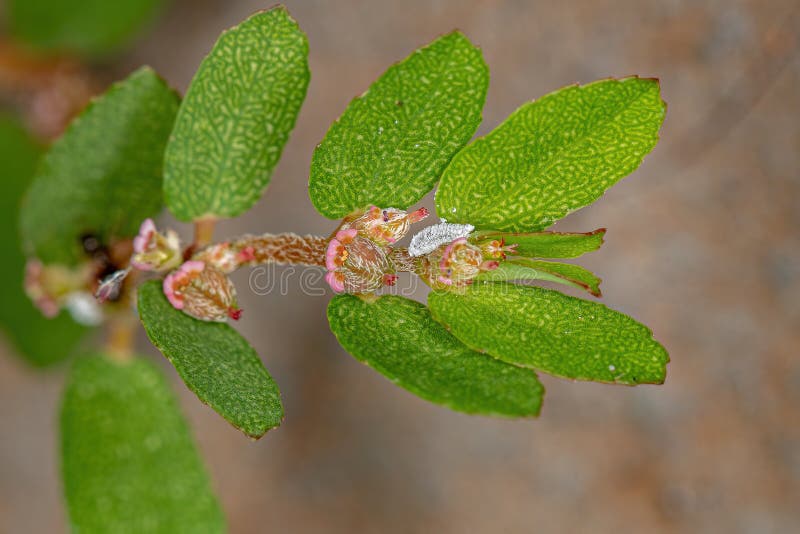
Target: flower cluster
column 53, row 287
column 153, row 251
column 202, row 291
column 358, row 256
column 457, row 264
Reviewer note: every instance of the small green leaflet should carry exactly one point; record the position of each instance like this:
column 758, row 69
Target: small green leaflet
column 546, row 244
column 128, row 461
column 214, row 361
column 103, row 176
column 40, row 341
column 398, row 338
column 236, row 117
column 393, row 142
column 94, row 28
column 550, row 271
column 552, row 156
column 552, row 332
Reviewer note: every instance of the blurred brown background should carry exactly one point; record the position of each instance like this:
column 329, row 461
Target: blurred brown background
column 702, row 246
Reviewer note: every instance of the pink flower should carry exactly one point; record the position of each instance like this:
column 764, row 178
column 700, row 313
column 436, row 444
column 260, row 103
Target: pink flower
column 177, row 281
column 384, row 226
column 202, row 291
column 153, row 251
column 355, row 264
column 460, row 262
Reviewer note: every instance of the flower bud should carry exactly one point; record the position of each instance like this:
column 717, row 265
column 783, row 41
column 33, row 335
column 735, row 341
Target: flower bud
column 497, row 248
column 49, row 286
column 153, row 251
column 200, row 290
column 384, row 226
column 456, row 264
column 356, row 264
column 225, row 257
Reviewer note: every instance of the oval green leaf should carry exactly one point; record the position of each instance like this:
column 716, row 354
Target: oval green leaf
column 94, row 28
column 215, row 362
column 553, row 156
column 397, row 337
column 40, row 341
column 393, row 142
column 128, row 461
column 552, row 332
column 103, row 176
column 236, row 117
column 547, row 244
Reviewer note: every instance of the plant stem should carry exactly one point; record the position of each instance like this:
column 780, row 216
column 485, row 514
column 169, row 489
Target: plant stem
column 119, row 343
column 203, row 232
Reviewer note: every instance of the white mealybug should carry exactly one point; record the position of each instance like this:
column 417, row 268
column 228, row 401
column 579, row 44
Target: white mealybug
column 84, row 308
column 429, row 239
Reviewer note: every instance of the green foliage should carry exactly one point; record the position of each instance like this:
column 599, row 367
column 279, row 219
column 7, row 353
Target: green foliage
column 236, row 117
column 103, row 176
column 40, row 341
column 562, row 273
column 552, row 332
column 93, row 28
column 128, row 461
column 548, row 244
column 552, row 156
column 215, row 362
column 398, row 338
column 393, row 142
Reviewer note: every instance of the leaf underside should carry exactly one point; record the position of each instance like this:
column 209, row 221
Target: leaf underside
column 552, row 156
column 103, row 176
column 552, row 332
column 214, row 361
column 236, row 117
column 393, row 142
column 523, row 269
column 129, row 463
column 397, row 337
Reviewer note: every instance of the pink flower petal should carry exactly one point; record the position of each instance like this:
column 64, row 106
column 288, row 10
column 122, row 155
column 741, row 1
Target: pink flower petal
column 335, row 282
column 169, row 291
column 332, row 254
column 345, row 236
column 146, row 232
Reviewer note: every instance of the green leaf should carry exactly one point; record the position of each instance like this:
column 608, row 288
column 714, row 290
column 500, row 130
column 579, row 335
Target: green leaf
column 94, row 28
column 552, row 332
column 236, row 117
column 547, row 244
column 393, row 142
column 215, row 362
column 40, row 341
column 103, row 176
column 553, row 156
column 562, row 273
column 398, row 338
column 128, row 460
